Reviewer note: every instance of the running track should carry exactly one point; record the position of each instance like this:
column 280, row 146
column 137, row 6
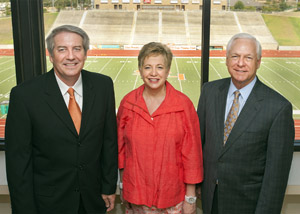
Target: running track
column 297, row 129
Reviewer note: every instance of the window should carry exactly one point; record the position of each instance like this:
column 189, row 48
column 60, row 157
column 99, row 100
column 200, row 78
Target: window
column 7, row 62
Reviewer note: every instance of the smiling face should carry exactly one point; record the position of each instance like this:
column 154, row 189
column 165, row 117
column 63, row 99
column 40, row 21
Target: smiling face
column 242, row 62
column 154, row 73
column 68, row 57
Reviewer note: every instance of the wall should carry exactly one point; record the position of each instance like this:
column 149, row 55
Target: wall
column 155, row 4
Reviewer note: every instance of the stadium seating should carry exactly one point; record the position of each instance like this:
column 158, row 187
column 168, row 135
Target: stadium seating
column 173, row 28
column 108, row 27
column 254, row 24
column 68, row 17
column 195, row 26
column 147, row 27
column 169, row 27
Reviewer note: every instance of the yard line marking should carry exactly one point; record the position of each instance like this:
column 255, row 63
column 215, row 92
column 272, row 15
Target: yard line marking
column 265, row 80
column 5, row 95
column 215, row 69
column 136, row 79
column 87, row 64
column 6, row 61
column 274, row 88
column 7, row 68
column 120, row 70
column 195, row 68
column 105, row 65
column 7, row 78
column 178, row 75
column 286, row 68
column 282, row 77
column 296, row 63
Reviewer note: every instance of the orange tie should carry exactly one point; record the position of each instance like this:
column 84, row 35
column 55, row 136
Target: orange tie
column 74, row 110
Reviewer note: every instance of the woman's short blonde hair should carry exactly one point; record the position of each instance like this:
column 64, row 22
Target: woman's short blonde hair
column 154, row 49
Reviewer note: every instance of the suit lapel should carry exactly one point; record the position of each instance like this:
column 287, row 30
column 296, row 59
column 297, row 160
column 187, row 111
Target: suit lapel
column 220, row 105
column 247, row 115
column 56, row 102
column 88, row 100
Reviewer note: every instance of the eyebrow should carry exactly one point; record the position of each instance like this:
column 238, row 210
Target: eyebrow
column 63, row 46
column 241, row 54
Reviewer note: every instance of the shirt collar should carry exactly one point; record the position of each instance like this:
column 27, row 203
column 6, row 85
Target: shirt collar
column 245, row 91
column 64, row 88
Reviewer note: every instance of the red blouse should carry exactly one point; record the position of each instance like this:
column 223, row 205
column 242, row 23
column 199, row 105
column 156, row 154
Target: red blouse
column 160, row 153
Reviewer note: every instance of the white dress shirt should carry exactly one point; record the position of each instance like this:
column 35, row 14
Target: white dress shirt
column 77, row 90
column 245, row 92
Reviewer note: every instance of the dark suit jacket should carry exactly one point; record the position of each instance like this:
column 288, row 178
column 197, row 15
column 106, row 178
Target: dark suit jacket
column 253, row 167
column 48, row 165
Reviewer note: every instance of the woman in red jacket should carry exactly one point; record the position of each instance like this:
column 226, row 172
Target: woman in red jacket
column 160, row 155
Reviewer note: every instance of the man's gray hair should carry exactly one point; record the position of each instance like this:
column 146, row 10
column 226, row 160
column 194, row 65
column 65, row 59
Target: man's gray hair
column 71, row 29
column 244, row 36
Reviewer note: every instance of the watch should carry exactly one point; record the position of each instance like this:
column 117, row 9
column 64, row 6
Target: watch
column 190, row 199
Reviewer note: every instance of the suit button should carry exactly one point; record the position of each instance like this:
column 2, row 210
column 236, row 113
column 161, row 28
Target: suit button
column 81, row 167
column 79, row 144
column 76, row 190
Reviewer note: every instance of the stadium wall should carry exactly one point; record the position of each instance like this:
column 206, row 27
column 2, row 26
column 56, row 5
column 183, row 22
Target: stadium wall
column 177, row 53
column 157, row 4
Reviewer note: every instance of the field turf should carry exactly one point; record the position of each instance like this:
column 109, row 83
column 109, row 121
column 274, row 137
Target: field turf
column 281, row 74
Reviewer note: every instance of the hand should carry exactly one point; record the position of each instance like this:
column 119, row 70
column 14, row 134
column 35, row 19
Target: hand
column 126, row 203
column 109, row 201
column 189, row 208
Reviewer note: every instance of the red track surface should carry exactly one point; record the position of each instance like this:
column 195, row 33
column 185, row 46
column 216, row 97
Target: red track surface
column 2, row 127
column 297, row 128
column 178, row 53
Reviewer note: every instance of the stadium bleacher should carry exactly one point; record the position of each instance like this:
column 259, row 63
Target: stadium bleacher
column 68, row 17
column 169, row 27
column 108, row 27
column 147, row 27
column 173, row 28
column 195, row 26
column 254, row 24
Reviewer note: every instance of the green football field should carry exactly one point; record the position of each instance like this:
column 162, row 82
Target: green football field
column 281, row 74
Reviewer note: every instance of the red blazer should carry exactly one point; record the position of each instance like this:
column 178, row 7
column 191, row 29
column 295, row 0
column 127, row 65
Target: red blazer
column 161, row 152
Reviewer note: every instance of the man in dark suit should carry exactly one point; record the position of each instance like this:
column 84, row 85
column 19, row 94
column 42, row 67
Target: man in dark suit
column 246, row 167
column 55, row 165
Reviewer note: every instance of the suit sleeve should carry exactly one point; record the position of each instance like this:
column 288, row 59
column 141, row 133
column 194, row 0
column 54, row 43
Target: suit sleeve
column 109, row 154
column 279, row 157
column 18, row 153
